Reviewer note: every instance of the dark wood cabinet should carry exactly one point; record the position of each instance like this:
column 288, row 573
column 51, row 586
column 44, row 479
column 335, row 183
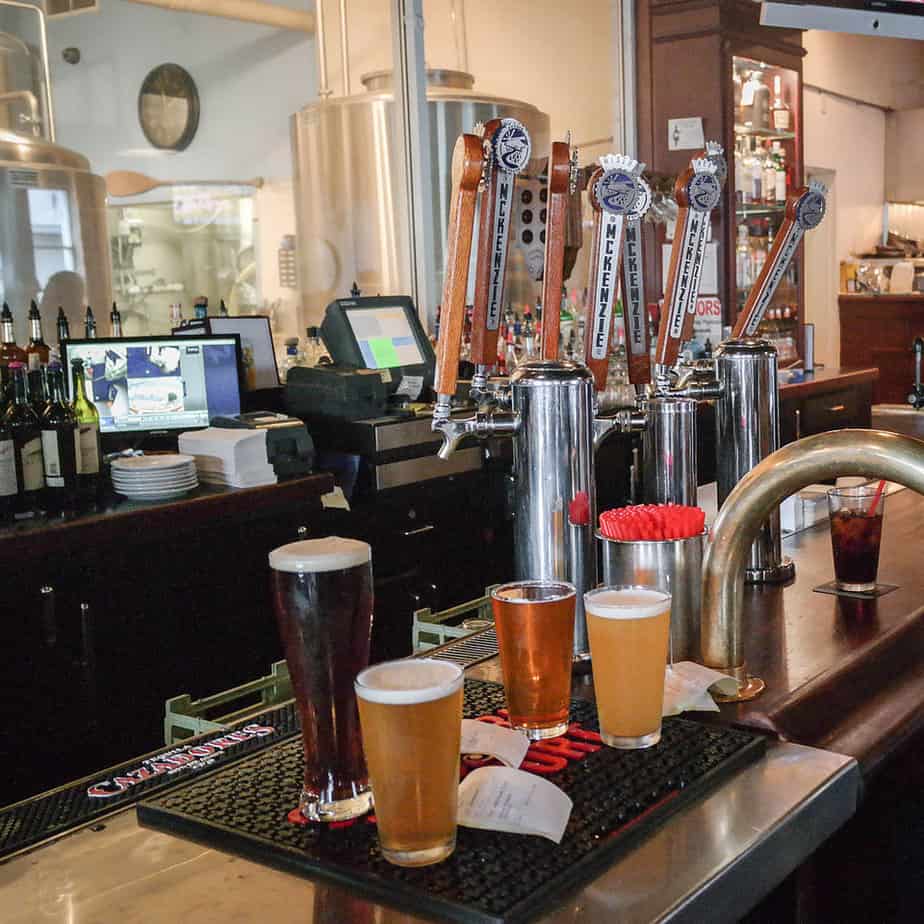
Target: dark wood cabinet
column 687, row 57
column 831, row 400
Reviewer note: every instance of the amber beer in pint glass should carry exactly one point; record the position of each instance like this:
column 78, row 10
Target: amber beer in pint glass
column 534, row 621
column 628, row 629
column 411, row 714
column 322, row 595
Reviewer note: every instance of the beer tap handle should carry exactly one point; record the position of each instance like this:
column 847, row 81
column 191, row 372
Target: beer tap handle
column 805, row 209
column 697, row 192
column 613, row 190
column 634, row 311
column 559, row 186
column 507, row 151
column 467, row 162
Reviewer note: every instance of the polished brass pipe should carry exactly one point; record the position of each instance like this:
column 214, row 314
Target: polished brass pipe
column 874, row 453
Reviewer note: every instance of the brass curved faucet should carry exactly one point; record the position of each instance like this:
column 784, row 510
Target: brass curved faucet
column 874, row 453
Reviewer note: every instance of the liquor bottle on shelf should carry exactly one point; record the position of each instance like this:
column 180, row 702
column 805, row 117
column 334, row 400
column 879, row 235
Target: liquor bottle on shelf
column 768, row 181
column 201, row 307
column 755, row 102
column 89, row 461
column 60, row 446
column 9, row 353
column 9, row 485
column 37, row 376
column 781, row 190
column 754, row 176
column 24, row 426
column 758, row 251
column 115, row 321
column 743, row 277
column 89, row 325
column 780, row 113
column 64, row 328
column 37, row 346
column 742, row 178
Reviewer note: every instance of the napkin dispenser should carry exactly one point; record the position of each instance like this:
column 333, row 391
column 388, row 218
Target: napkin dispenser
column 289, row 447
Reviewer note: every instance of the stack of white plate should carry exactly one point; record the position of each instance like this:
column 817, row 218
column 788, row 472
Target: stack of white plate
column 154, row 477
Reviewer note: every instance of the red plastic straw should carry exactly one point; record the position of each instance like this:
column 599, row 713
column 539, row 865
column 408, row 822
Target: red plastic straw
column 879, row 489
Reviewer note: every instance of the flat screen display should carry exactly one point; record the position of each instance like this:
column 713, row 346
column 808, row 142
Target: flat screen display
column 385, row 337
column 165, row 383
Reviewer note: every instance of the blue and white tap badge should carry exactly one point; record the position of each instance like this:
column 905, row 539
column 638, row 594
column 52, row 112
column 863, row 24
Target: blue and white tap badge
column 512, row 146
column 618, row 189
column 810, row 208
column 703, row 189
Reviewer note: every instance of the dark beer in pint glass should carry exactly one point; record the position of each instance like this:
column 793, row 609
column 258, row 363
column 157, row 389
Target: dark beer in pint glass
column 322, row 595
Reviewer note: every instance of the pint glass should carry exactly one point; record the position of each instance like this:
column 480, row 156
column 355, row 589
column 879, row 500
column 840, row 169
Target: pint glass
column 322, row 595
column 411, row 714
column 534, row 621
column 628, row 629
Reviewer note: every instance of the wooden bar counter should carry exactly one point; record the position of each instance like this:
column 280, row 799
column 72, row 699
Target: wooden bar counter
column 878, row 330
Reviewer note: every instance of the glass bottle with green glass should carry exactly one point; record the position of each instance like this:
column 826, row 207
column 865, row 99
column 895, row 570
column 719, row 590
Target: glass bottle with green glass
column 22, row 422
column 89, row 461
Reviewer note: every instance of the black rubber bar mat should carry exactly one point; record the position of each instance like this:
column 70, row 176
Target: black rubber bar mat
column 59, row 810
column 619, row 796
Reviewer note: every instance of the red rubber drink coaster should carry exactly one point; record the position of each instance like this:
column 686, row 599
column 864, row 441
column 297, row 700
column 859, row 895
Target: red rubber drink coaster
column 618, row 796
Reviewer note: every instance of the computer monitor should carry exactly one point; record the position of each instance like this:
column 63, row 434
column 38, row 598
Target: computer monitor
column 893, row 18
column 379, row 333
column 159, row 384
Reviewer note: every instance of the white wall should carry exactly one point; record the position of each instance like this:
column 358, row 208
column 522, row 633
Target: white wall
column 250, row 79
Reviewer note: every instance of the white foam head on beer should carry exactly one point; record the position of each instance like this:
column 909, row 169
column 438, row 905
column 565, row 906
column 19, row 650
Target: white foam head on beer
column 627, row 602
column 311, row 556
column 410, row 681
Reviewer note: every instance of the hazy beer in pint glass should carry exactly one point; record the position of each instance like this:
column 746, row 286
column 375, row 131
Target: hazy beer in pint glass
column 322, row 595
column 628, row 629
column 411, row 714
column 534, row 621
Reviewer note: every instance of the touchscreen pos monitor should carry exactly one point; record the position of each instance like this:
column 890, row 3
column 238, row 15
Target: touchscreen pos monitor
column 380, row 333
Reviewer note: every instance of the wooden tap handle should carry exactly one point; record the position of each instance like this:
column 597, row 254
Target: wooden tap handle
column 634, row 309
column 484, row 339
column 467, row 161
column 764, row 288
column 603, row 275
column 559, row 182
column 670, row 329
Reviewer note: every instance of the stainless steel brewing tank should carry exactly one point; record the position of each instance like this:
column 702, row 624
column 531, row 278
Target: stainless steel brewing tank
column 53, row 239
column 349, row 200
column 553, row 465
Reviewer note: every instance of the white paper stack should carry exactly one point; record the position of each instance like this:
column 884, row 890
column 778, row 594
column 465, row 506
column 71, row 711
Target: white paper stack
column 233, row 458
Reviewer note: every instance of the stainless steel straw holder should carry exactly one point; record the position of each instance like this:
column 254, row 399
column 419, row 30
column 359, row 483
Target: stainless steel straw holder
column 672, row 565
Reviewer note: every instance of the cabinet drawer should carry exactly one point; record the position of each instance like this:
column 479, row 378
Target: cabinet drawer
column 831, row 411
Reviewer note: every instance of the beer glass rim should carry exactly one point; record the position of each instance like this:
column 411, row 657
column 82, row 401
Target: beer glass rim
column 437, row 688
column 628, row 611
column 568, row 591
column 316, row 556
column 867, row 489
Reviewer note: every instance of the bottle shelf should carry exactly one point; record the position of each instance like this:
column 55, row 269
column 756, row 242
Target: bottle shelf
column 773, row 133
column 759, row 211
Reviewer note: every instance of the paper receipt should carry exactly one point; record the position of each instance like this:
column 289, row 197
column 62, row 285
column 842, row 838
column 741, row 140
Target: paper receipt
column 687, row 685
column 504, row 799
column 508, row 745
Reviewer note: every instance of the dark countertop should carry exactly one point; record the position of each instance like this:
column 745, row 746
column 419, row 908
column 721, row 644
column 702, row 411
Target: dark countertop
column 118, row 519
column 823, row 380
column 868, row 297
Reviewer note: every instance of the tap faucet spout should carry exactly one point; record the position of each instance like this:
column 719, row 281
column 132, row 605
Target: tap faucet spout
column 873, row 453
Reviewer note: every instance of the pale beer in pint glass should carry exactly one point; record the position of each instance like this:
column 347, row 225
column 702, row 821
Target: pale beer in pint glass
column 534, row 621
column 628, row 629
column 411, row 714
column 322, row 595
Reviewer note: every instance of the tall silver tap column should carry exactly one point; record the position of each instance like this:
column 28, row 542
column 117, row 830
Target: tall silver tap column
column 553, row 466
column 669, row 451
column 748, row 430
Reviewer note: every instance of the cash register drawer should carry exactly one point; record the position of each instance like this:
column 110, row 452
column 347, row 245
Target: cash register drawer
column 424, row 468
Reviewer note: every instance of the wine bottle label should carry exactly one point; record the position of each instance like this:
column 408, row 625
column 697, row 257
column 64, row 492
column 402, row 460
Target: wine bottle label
column 7, row 468
column 88, row 458
column 54, row 477
column 30, row 454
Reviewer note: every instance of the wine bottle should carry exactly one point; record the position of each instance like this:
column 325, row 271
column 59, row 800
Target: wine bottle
column 60, row 446
column 115, row 319
column 37, row 345
column 9, row 486
column 38, row 385
column 89, row 459
column 64, row 328
column 27, row 445
column 9, row 353
column 89, row 325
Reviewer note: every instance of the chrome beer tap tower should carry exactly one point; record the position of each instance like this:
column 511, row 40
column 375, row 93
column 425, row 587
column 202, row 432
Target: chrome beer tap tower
column 549, row 405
